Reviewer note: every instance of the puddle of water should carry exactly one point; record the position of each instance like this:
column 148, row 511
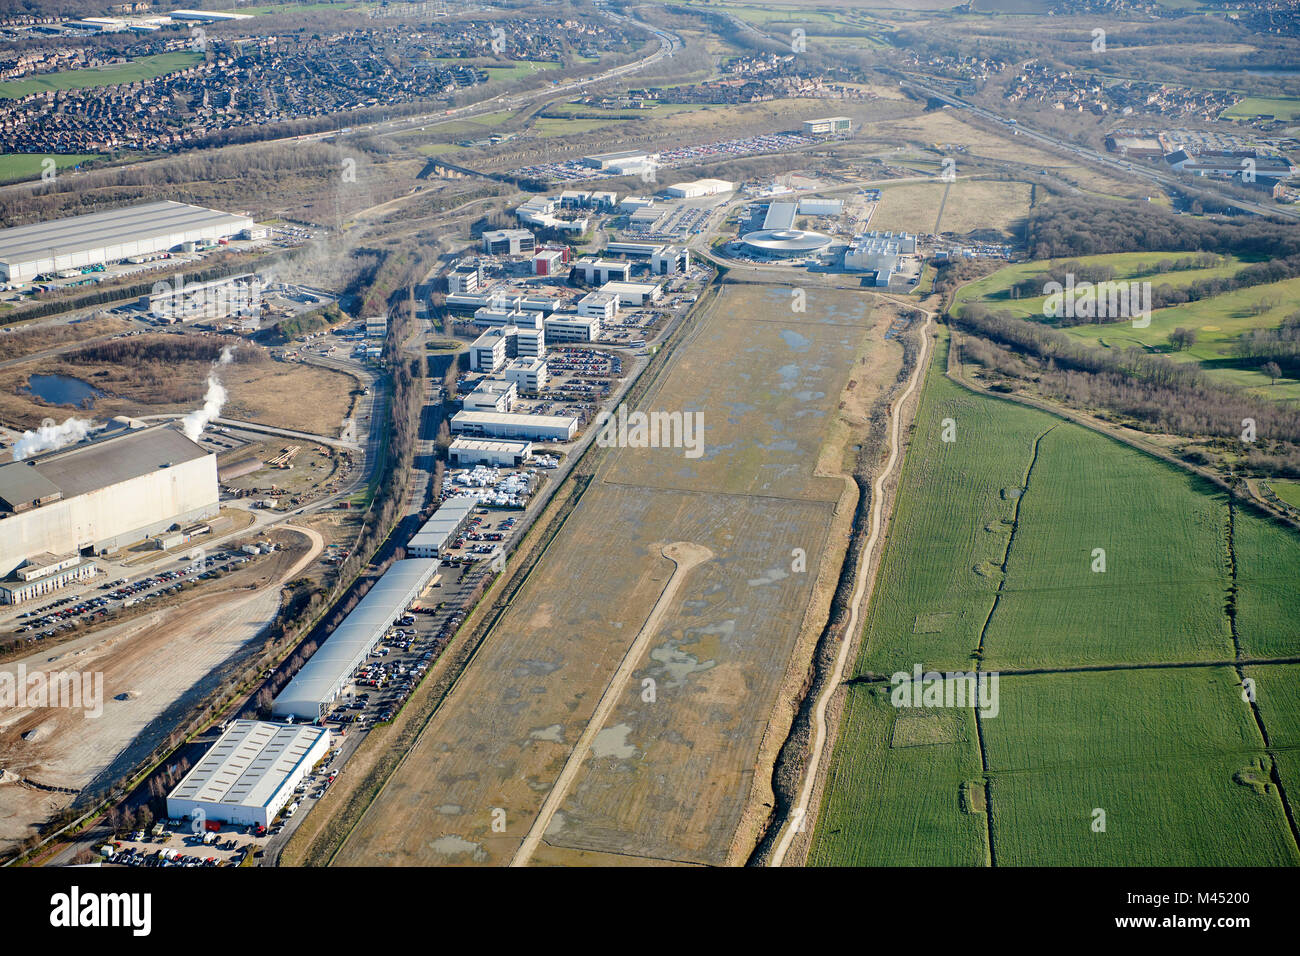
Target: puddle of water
column 612, row 742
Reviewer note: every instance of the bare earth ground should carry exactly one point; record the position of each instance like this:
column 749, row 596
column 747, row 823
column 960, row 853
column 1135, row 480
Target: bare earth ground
column 155, row 661
column 668, row 776
column 285, row 394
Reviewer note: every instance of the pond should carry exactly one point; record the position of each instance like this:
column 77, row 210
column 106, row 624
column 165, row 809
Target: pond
column 62, row 389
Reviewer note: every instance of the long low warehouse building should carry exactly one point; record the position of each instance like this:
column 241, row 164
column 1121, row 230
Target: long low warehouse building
column 482, row 451
column 443, row 528
column 330, row 669
column 99, row 238
column 250, row 773
column 506, row 425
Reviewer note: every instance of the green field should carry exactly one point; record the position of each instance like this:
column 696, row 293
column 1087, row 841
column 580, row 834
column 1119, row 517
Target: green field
column 141, row 68
column 1217, row 321
column 1288, row 491
column 22, row 166
column 1283, row 108
column 991, row 560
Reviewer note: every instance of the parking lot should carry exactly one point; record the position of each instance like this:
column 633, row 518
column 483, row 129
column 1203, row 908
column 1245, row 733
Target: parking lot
column 63, row 614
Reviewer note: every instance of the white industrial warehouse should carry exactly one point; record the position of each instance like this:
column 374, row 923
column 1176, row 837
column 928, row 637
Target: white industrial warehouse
column 506, row 425
column 103, row 494
column 330, row 669
column 443, row 528
column 99, row 238
column 250, row 773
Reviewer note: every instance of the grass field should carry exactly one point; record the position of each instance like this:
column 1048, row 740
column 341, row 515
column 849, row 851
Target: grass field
column 990, row 562
column 142, row 68
column 1288, row 491
column 1283, row 108
column 667, row 779
column 971, row 205
column 1217, row 321
column 23, row 166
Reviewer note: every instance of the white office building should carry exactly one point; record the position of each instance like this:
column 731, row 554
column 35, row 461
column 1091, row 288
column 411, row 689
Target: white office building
column 527, row 375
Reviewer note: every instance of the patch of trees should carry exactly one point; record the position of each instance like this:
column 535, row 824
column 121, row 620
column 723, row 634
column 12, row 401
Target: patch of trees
column 1083, row 228
column 1280, row 346
column 163, row 349
column 1151, row 390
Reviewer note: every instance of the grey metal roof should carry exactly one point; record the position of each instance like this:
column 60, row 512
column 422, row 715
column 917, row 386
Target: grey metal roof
column 322, row 677
column 249, row 763
column 780, row 215
column 21, row 483
column 126, row 455
column 445, row 521
column 96, row 229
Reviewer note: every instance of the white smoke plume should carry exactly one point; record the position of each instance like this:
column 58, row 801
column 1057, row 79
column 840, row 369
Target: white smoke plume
column 197, row 420
column 50, row 436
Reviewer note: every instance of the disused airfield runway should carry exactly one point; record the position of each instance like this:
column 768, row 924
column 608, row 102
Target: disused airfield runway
column 669, row 771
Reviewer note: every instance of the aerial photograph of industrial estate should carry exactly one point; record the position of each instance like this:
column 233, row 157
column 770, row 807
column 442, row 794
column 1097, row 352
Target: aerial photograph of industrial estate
column 650, row 433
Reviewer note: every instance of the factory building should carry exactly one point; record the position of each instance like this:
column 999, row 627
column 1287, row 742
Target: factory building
column 598, row 305
column 634, row 293
column 571, row 328
column 513, row 242
column 449, row 520
column 249, row 774
column 499, row 425
column 599, row 271
column 465, row 452
column 217, row 299
column 103, row 494
column 879, row 252
column 636, row 250
column 376, row 326
column 820, row 207
column 101, row 238
column 827, row 126
column 626, row 160
column 699, row 188
column 527, row 375
column 330, row 669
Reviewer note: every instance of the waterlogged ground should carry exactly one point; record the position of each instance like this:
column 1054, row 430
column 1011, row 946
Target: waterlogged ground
column 670, row 769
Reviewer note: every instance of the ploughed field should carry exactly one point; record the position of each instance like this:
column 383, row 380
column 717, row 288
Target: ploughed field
column 1122, row 603
column 669, row 766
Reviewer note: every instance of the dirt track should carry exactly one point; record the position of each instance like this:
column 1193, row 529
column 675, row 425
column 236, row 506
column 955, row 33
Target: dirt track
column 796, row 824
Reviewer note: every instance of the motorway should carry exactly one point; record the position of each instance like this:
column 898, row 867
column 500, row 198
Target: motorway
column 1154, row 176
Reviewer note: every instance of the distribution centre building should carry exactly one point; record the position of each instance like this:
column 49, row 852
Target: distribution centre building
column 99, row 238
column 250, row 773
column 330, row 669
column 500, row 425
column 483, row 451
column 443, row 528
column 104, row 494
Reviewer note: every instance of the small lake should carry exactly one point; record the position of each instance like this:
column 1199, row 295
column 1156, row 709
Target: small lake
column 62, row 389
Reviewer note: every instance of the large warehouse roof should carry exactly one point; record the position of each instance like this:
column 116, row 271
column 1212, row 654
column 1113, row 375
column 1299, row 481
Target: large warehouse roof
column 329, row 669
column 446, row 521
column 111, row 228
column 780, row 215
column 248, row 764
column 98, row 464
